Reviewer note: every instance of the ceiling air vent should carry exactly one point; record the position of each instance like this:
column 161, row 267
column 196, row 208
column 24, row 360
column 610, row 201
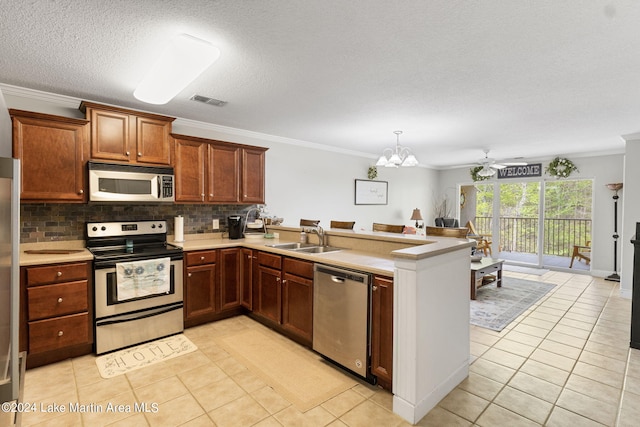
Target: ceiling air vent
column 207, row 100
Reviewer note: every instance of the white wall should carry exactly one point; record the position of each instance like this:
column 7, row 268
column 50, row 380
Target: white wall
column 303, row 180
column 631, row 211
column 603, row 170
column 5, row 130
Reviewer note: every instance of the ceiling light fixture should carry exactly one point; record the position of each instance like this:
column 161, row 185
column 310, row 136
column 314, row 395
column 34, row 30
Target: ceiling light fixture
column 400, row 156
column 182, row 61
column 486, row 171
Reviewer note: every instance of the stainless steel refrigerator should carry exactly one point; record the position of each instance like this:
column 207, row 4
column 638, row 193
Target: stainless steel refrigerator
column 9, row 278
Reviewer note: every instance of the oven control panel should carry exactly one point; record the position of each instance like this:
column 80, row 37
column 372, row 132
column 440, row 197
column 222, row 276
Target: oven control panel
column 135, row 228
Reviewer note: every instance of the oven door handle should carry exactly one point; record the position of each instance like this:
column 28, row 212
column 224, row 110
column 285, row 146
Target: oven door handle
column 138, row 315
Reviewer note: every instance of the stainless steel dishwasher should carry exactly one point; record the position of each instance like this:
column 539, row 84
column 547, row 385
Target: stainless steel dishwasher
column 341, row 312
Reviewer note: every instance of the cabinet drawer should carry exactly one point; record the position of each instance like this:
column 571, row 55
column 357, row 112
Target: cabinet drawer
column 270, row 260
column 201, row 257
column 298, row 267
column 56, row 273
column 57, row 300
column 59, row 332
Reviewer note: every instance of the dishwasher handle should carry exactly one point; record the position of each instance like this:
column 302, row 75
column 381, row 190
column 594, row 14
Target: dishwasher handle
column 340, row 276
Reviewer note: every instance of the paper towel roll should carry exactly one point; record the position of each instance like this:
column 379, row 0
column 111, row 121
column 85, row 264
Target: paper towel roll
column 178, row 229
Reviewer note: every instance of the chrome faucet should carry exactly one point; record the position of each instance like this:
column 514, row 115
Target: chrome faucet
column 320, row 232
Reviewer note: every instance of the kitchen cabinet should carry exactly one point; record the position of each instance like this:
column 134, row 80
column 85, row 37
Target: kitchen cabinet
column 53, row 153
column 122, row 135
column 247, row 265
column 382, row 330
column 253, row 175
column 212, row 289
column 284, row 295
column 209, row 171
column 200, row 287
column 56, row 312
column 297, row 298
column 229, row 275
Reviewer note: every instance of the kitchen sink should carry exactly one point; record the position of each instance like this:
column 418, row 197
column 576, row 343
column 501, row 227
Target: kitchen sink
column 318, row 249
column 293, row 246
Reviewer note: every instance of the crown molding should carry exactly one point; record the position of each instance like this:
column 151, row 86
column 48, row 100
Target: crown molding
column 73, row 102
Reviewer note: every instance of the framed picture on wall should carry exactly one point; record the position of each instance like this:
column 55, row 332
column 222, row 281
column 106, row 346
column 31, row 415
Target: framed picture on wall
column 370, row 192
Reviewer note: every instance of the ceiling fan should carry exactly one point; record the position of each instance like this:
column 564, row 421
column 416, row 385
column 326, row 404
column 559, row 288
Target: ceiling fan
column 489, row 165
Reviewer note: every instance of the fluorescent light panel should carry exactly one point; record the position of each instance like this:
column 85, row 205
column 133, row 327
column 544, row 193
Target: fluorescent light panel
column 182, row 61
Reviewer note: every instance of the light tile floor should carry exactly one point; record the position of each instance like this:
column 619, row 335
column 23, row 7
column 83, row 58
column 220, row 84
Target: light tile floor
column 564, row 362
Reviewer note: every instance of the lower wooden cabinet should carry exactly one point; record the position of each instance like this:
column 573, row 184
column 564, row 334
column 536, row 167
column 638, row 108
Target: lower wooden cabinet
column 211, row 285
column 382, row 330
column 56, row 312
column 248, row 265
column 283, row 295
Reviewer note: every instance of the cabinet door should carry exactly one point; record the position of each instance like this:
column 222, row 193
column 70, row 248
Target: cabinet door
column 269, row 295
column 229, row 275
column 246, row 278
column 223, row 174
column 52, row 153
column 382, row 329
column 297, row 306
column 190, row 164
column 111, row 133
column 252, row 176
column 200, row 291
column 153, row 142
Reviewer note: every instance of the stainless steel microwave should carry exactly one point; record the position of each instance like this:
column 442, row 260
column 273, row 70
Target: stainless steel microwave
column 110, row 182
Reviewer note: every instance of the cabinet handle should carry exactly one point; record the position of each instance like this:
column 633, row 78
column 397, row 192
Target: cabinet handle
column 210, row 194
column 59, row 300
column 81, row 192
column 202, row 258
column 374, row 288
column 248, row 256
column 128, row 154
column 189, row 275
column 59, row 273
column 139, row 154
column 284, row 281
column 60, row 333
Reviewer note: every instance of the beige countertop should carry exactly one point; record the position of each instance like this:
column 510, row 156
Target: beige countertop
column 348, row 258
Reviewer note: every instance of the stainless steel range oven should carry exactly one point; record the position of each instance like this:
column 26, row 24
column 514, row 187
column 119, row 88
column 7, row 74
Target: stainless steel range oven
column 138, row 283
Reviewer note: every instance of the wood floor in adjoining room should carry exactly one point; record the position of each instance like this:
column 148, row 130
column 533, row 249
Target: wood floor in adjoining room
column 566, row 361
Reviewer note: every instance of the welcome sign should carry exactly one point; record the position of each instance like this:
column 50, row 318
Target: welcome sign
column 525, row 171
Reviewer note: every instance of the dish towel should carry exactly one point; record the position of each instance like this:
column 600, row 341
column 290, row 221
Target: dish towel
column 142, row 278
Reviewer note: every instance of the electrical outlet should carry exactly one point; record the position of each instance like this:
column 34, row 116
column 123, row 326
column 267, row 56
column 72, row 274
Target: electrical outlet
column 216, row 224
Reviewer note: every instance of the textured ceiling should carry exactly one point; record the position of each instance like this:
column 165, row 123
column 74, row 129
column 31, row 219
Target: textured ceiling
column 522, row 78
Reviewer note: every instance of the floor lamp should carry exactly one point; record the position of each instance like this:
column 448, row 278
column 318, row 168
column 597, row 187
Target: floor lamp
column 615, row 277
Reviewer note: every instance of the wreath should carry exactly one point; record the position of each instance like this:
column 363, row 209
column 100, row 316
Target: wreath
column 475, row 176
column 372, row 172
column 561, row 168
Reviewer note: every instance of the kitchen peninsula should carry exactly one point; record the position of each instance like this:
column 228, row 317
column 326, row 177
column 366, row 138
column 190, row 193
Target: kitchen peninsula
column 430, row 300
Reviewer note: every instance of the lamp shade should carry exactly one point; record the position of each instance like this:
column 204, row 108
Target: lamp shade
column 416, row 215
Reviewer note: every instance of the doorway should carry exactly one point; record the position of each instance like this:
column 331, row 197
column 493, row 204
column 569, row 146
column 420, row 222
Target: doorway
column 537, row 222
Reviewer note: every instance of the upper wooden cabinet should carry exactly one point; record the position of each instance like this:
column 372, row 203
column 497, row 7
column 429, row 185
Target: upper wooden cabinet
column 130, row 136
column 53, row 152
column 210, row 171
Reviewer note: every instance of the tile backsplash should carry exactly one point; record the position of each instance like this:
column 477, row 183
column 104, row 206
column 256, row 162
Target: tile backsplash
column 46, row 222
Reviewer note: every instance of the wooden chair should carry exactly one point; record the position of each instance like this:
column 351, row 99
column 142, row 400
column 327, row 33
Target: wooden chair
column 309, row 222
column 388, row 227
column 343, row 224
column 581, row 252
column 447, row 231
column 483, row 241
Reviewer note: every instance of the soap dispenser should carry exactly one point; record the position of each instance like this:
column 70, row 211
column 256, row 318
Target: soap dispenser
column 303, row 236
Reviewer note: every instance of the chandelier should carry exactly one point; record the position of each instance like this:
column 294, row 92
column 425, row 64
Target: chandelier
column 400, row 156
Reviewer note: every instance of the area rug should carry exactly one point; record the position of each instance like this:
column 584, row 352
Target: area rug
column 143, row 355
column 298, row 375
column 494, row 308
